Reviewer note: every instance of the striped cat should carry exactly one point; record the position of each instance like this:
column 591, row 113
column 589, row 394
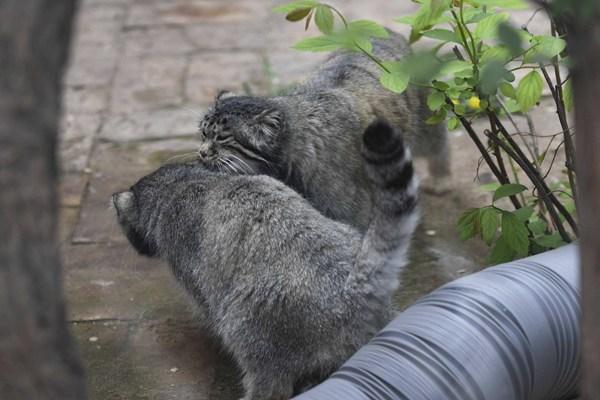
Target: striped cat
column 310, row 138
column 291, row 293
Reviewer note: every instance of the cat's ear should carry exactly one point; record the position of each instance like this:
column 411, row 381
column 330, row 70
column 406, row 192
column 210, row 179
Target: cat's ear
column 124, row 203
column 270, row 121
column 224, row 94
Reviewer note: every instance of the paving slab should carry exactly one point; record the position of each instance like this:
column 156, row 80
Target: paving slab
column 209, row 73
column 82, row 99
column 110, row 281
column 171, row 122
column 156, row 41
column 116, row 167
column 158, row 360
column 77, row 139
column 156, row 12
column 143, row 83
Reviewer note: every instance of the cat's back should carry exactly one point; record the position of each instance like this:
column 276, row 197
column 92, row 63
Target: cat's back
column 272, row 226
column 344, row 68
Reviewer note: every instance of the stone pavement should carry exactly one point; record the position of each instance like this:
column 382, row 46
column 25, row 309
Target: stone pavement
column 142, row 73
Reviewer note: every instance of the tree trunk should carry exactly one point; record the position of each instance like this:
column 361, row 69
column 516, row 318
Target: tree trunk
column 584, row 42
column 37, row 354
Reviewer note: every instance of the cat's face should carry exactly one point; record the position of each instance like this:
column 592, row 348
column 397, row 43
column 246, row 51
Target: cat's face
column 241, row 135
column 139, row 208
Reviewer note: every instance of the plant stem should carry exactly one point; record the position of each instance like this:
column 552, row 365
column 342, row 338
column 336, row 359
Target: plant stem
column 501, row 177
column 335, row 10
column 373, row 58
column 534, row 176
column 545, row 195
column 562, row 115
column 514, row 200
column 466, row 28
column 463, row 36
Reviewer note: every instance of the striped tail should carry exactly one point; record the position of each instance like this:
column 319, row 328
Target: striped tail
column 388, row 164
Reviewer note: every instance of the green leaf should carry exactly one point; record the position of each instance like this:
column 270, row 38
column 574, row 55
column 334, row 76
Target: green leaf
column 435, row 100
column 453, row 123
column 508, row 90
column 523, row 213
column 298, row 14
column 492, row 74
column 324, row 19
column 440, row 85
column 489, row 224
column 366, row 28
column 442, row 34
column 295, row 5
column 468, row 224
column 358, row 34
column 529, row 90
column 422, row 67
column 512, row 106
column 515, row 233
column 497, row 53
column 510, row 37
column 430, row 13
column 464, row 73
column 538, row 227
column 320, row 43
column 506, row 4
column 501, row 252
column 508, row 189
column 397, row 79
column 460, row 109
column 437, row 117
column 488, row 27
column 550, row 241
column 543, row 48
column 473, row 15
column 451, row 67
column 490, row 187
column 407, row 19
column 567, row 90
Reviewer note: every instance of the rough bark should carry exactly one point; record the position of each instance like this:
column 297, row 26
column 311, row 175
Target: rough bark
column 584, row 42
column 37, row 354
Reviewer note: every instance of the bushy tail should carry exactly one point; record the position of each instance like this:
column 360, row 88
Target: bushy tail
column 388, row 164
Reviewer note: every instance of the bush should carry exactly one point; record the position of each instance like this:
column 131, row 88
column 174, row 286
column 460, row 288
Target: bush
column 470, row 72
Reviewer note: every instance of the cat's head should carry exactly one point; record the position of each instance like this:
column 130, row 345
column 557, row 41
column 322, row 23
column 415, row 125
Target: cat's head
column 241, row 135
column 140, row 208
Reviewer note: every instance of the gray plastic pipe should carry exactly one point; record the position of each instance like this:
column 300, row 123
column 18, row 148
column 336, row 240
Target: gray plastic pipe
column 508, row 332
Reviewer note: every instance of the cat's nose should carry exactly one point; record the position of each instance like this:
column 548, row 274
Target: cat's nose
column 122, row 200
column 206, row 151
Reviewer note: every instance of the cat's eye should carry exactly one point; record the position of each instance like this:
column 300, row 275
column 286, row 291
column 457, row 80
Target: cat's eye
column 221, row 137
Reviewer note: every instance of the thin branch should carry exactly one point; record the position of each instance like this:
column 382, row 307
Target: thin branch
column 496, row 151
column 553, row 159
column 545, row 195
column 534, row 175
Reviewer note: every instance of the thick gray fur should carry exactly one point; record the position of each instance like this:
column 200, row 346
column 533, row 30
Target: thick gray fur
column 291, row 293
column 310, row 138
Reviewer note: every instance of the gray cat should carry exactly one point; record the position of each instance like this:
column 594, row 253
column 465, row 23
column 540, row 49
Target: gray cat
column 310, row 139
column 291, row 293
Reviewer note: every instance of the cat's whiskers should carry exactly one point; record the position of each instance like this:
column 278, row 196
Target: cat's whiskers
column 183, row 157
column 229, row 165
column 242, row 164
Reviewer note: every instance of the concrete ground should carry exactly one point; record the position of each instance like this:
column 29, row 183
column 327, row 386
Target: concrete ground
column 142, row 73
